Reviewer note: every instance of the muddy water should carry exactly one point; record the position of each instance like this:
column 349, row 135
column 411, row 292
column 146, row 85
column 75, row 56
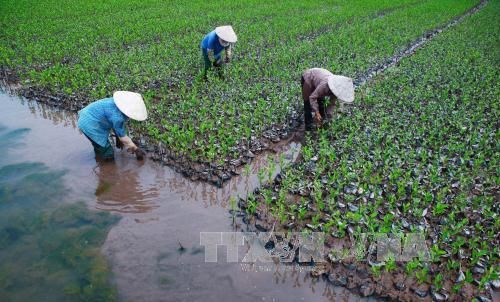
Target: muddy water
column 155, row 250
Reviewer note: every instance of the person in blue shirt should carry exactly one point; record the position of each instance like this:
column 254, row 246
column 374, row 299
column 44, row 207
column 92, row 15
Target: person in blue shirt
column 214, row 43
column 97, row 120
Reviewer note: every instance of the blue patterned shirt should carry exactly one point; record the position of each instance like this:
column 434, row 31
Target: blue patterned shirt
column 211, row 42
column 98, row 118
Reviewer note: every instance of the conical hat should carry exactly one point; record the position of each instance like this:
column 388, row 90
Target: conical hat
column 131, row 104
column 226, row 33
column 342, row 87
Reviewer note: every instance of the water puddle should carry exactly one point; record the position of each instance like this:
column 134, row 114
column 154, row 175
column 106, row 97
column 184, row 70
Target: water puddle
column 154, row 250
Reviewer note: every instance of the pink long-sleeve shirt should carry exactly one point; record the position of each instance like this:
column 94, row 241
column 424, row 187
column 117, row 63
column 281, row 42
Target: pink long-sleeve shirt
column 316, row 86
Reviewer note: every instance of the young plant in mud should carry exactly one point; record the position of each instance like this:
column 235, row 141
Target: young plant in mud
column 247, row 170
column 271, row 168
column 261, row 176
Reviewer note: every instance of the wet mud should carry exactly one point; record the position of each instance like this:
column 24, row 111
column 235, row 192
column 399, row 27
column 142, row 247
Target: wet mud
column 219, row 174
column 352, row 274
column 357, row 274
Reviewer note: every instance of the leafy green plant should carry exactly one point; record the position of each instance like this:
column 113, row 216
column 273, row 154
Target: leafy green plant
column 390, row 263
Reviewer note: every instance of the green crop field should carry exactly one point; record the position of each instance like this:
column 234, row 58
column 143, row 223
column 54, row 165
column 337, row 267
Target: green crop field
column 78, row 52
column 416, row 152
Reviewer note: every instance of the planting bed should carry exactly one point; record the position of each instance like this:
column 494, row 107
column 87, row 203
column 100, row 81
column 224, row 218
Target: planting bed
column 72, row 54
column 417, row 153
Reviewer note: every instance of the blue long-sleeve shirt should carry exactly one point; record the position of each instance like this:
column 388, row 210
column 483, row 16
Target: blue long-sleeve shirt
column 98, row 118
column 211, row 42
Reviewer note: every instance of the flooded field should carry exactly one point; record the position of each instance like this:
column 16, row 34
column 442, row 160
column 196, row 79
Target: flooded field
column 55, row 200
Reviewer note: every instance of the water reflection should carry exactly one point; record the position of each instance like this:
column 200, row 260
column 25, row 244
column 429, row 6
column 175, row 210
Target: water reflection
column 57, row 116
column 122, row 190
column 238, row 186
column 10, row 139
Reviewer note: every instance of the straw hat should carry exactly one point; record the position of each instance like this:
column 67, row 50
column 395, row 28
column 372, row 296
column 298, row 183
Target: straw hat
column 226, row 33
column 131, row 104
column 342, row 87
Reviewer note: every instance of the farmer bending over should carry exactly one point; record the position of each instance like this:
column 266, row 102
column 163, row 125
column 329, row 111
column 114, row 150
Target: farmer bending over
column 97, row 119
column 317, row 85
column 212, row 45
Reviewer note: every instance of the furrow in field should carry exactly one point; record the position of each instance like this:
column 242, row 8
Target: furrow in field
column 413, row 47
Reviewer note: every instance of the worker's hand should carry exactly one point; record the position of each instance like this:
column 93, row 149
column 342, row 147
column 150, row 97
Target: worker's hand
column 317, row 117
column 139, row 154
column 129, row 144
column 227, row 59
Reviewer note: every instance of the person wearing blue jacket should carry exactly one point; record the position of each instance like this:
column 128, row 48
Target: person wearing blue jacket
column 214, row 43
column 99, row 118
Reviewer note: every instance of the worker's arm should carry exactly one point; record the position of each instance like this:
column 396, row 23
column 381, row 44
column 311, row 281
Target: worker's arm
column 228, row 53
column 132, row 148
column 211, row 54
column 128, row 143
column 321, row 91
column 121, row 134
column 118, row 142
column 217, row 59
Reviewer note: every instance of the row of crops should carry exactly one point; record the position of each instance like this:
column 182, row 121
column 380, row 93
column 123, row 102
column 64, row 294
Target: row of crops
column 74, row 53
column 416, row 154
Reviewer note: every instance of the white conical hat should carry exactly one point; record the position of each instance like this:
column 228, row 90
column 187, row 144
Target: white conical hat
column 131, row 104
column 226, row 33
column 342, row 87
